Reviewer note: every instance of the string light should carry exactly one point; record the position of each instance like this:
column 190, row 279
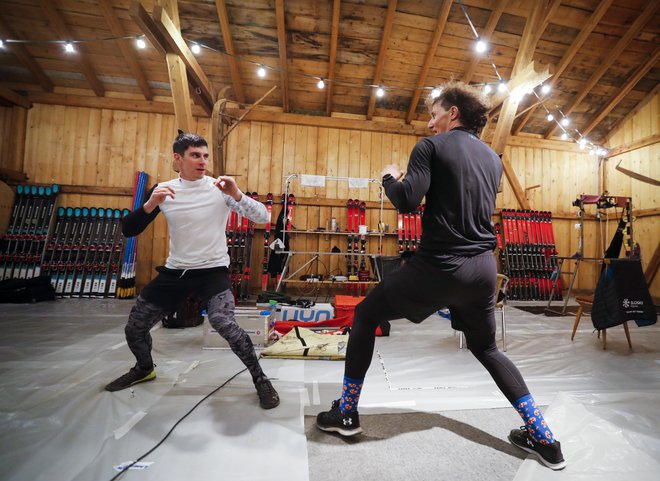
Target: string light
column 435, row 93
column 481, row 46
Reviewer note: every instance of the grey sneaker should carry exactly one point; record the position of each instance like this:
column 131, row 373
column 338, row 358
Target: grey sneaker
column 549, row 454
column 336, row 422
column 134, row 376
column 268, row 397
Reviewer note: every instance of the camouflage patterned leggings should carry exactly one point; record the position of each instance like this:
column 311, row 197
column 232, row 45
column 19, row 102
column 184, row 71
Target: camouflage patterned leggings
column 145, row 314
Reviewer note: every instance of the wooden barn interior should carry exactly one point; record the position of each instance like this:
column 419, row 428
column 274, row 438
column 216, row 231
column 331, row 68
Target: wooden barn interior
column 580, row 114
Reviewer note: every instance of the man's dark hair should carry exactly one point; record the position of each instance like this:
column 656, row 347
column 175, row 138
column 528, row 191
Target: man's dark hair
column 472, row 104
column 183, row 141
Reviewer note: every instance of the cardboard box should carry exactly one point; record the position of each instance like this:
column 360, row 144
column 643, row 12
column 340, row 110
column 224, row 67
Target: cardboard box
column 254, row 323
column 318, row 312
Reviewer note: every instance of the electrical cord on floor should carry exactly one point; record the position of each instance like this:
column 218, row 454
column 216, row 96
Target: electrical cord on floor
column 116, row 476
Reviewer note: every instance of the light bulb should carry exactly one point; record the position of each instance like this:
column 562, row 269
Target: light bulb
column 261, row 72
column 564, row 136
column 481, row 46
column 2, row 44
column 141, row 43
column 320, row 84
column 545, row 89
column 195, row 49
column 68, row 47
column 435, row 93
column 550, row 118
column 501, row 87
column 487, row 89
column 380, row 92
column 583, row 143
column 565, row 121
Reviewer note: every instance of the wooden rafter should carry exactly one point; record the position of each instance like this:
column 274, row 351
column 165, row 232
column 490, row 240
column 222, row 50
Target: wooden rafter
column 382, row 53
column 176, row 44
column 485, row 35
column 57, row 23
column 24, row 56
column 125, row 47
column 229, row 48
column 569, row 55
column 281, row 42
column 648, row 98
column 15, row 98
column 430, row 55
column 521, row 69
column 334, row 37
column 611, row 57
column 635, row 77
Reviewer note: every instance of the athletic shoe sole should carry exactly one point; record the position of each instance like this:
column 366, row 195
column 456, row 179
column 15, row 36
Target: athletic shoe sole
column 149, row 377
column 548, row 464
column 342, row 431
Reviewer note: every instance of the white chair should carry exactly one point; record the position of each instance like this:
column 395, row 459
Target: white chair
column 500, row 288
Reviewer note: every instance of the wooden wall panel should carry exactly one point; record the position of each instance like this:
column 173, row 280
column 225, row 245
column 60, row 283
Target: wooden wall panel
column 93, row 147
column 645, row 161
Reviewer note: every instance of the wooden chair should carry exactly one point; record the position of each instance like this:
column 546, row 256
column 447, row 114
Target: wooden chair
column 500, row 288
column 588, row 302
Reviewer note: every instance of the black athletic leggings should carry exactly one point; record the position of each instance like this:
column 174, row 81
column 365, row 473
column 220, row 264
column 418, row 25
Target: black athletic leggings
column 419, row 289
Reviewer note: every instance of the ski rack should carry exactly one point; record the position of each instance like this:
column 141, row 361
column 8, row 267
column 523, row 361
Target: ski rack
column 315, row 254
column 604, row 201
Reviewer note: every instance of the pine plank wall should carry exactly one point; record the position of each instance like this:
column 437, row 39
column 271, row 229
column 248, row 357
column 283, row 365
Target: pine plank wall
column 104, row 148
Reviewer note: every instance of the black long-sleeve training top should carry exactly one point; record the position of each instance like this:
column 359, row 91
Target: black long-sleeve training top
column 459, row 175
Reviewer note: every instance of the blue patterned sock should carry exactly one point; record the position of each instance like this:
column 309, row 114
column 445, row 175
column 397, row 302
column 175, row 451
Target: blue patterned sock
column 534, row 421
column 350, row 395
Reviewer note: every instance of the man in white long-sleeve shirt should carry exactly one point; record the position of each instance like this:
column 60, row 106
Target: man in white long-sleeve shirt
column 196, row 208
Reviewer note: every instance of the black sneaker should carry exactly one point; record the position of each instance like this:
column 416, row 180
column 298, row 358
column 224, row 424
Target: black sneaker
column 268, row 397
column 548, row 454
column 336, row 422
column 134, row 376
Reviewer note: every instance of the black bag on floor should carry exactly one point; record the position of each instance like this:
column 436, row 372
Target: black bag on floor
column 20, row 291
column 622, row 295
column 188, row 314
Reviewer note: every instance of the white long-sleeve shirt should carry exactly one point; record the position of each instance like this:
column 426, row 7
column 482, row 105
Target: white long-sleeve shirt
column 197, row 218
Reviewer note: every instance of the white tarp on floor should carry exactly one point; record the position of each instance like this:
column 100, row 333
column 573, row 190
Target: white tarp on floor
column 57, row 423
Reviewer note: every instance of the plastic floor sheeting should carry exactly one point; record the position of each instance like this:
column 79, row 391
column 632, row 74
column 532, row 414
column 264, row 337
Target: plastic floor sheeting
column 57, row 423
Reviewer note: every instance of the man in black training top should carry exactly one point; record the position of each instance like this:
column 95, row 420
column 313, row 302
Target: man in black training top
column 454, row 265
column 196, row 208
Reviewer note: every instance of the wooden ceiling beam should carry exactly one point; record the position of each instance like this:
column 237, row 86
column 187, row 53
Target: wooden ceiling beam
column 57, row 23
column 485, row 35
column 382, row 53
column 24, row 57
column 635, row 77
column 611, row 57
column 127, row 50
column 524, row 78
column 334, row 37
column 569, row 55
column 111, row 103
column 14, row 97
column 649, row 97
column 281, row 43
column 177, row 45
column 229, row 48
column 430, row 56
